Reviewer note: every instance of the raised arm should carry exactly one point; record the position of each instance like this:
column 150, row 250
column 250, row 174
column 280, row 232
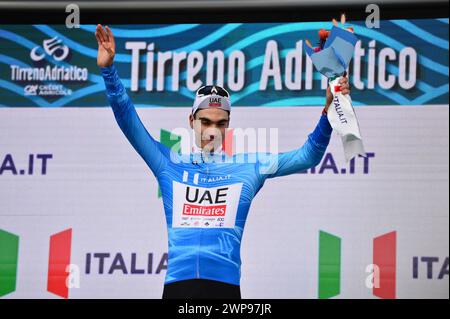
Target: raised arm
column 153, row 152
column 309, row 155
column 312, row 151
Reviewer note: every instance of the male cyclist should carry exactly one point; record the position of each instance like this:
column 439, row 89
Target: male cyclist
column 206, row 194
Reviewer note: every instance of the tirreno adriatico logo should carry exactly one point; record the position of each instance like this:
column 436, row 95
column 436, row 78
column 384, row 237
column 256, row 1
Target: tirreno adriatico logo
column 50, row 70
column 52, row 47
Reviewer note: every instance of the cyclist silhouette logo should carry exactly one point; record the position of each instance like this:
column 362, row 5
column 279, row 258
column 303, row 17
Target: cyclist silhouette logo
column 52, row 47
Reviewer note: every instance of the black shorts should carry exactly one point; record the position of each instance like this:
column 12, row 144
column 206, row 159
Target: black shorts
column 201, row 289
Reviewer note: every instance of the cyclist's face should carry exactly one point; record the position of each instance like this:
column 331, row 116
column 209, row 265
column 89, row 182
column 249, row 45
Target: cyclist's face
column 209, row 126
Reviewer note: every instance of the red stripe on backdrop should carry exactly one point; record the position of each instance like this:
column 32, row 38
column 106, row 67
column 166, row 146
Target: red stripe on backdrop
column 384, row 256
column 58, row 262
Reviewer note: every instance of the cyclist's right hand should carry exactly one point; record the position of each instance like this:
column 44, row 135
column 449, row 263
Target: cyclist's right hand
column 106, row 46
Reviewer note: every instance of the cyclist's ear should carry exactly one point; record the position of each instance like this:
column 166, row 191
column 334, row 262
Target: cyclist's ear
column 191, row 121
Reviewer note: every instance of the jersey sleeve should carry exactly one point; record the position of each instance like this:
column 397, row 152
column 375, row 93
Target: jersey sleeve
column 307, row 156
column 154, row 153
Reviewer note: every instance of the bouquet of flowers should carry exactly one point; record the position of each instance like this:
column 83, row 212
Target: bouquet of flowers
column 331, row 58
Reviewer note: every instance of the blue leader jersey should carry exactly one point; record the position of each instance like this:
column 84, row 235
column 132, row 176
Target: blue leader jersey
column 206, row 202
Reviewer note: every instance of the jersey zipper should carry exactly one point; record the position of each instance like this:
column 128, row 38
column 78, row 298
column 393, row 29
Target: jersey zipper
column 198, row 254
column 201, row 230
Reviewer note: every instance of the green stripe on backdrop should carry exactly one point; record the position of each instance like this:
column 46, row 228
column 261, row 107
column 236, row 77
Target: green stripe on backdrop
column 9, row 249
column 329, row 265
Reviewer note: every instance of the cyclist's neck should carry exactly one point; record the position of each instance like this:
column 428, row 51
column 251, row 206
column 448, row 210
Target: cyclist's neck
column 205, row 153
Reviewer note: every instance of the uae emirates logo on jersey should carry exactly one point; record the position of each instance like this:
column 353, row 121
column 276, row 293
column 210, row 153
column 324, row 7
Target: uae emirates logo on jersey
column 215, row 198
column 212, row 207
